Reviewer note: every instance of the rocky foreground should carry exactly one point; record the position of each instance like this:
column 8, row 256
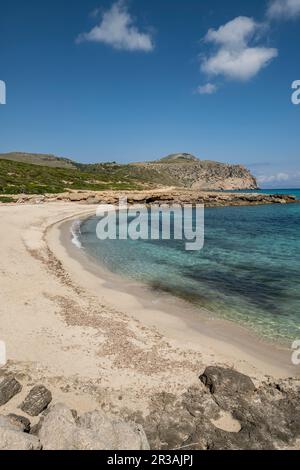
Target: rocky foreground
column 224, row 411
column 165, row 196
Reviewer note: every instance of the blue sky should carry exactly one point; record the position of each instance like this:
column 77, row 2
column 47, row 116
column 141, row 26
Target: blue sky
column 139, row 79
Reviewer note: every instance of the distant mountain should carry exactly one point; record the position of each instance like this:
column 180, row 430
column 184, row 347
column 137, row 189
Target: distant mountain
column 39, row 159
column 19, row 172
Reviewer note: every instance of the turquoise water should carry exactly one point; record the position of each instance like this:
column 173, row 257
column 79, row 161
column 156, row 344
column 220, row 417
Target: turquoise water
column 248, row 270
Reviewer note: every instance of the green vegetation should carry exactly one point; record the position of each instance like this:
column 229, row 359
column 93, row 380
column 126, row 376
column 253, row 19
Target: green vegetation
column 17, row 178
column 40, row 174
column 6, row 199
column 140, row 173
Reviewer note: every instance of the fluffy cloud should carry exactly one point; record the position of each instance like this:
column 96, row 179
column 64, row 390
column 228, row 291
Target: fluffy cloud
column 283, row 9
column 235, row 58
column 240, row 65
column 207, row 89
column 117, row 29
column 235, row 33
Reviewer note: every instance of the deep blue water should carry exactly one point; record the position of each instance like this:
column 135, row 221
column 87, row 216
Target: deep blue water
column 248, row 270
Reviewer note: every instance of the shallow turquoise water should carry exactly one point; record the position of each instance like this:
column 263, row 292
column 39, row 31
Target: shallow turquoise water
column 248, row 270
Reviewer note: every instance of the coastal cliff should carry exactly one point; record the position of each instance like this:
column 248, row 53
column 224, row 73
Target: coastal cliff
column 190, row 172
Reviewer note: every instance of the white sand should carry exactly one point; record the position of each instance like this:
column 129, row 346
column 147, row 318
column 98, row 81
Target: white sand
column 93, row 344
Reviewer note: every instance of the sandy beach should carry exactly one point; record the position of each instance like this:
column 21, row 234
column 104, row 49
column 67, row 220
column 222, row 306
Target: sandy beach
column 99, row 341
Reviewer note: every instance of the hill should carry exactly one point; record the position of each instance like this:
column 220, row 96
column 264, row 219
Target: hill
column 188, row 171
column 24, row 178
column 39, row 159
column 178, row 158
column 40, row 174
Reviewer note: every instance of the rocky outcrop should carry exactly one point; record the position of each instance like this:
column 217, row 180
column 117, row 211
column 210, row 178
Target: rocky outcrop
column 227, row 412
column 224, row 411
column 166, row 196
column 190, row 172
column 60, row 428
column 223, row 381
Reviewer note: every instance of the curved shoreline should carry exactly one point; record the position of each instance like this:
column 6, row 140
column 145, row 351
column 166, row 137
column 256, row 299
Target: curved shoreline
column 224, row 340
column 91, row 343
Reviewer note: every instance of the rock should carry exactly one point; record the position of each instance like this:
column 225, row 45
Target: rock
column 227, row 414
column 36, row 401
column 57, row 429
column 226, row 381
column 9, row 387
column 175, row 429
column 78, row 197
column 16, row 440
column 93, row 431
column 23, row 422
column 15, row 423
column 6, row 423
column 115, row 433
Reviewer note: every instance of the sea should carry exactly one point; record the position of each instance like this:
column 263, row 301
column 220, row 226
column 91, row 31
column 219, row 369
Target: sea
column 247, row 272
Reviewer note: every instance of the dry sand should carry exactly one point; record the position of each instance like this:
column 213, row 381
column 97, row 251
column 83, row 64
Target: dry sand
column 97, row 341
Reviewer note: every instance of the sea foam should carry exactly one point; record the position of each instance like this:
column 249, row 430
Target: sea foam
column 75, row 232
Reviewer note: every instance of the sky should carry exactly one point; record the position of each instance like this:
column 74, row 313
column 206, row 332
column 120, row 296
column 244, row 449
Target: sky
column 135, row 80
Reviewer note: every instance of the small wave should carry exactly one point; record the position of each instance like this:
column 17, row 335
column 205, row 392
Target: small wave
column 75, row 232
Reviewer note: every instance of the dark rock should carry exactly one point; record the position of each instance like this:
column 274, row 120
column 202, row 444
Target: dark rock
column 9, row 387
column 221, row 380
column 35, row 429
column 36, row 401
column 203, row 417
column 24, row 422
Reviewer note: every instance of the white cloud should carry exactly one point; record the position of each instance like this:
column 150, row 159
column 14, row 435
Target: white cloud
column 286, row 9
column 207, row 89
column 235, row 58
column 117, row 29
column 240, row 65
column 235, row 33
column 279, row 178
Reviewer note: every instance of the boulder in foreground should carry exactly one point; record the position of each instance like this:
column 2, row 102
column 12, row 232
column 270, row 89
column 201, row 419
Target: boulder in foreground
column 60, row 430
column 227, row 381
column 14, row 440
column 9, row 387
column 36, row 401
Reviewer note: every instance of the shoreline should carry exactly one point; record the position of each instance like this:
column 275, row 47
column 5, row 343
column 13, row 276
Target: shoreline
column 94, row 345
column 228, row 340
column 166, row 195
